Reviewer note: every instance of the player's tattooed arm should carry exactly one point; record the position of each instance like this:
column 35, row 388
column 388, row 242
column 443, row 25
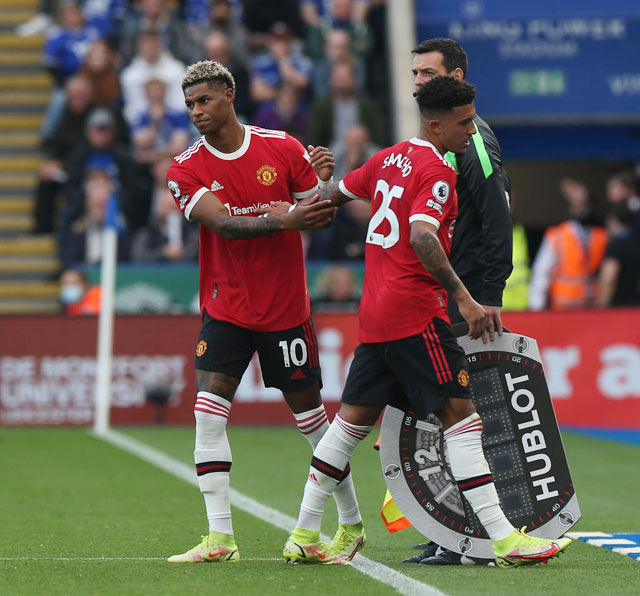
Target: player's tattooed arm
column 431, row 254
column 425, row 243
column 210, row 212
column 332, row 193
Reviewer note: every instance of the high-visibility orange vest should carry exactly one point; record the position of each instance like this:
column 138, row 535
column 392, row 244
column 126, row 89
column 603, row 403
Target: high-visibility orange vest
column 89, row 305
column 574, row 276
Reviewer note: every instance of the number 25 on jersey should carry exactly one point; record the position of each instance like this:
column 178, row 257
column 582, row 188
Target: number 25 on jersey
column 383, row 213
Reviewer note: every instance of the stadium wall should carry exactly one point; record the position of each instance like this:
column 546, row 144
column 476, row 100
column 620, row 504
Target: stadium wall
column 47, row 368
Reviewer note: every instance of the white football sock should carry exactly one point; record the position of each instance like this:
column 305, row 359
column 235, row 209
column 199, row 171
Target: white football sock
column 473, row 475
column 212, row 457
column 330, row 468
column 313, row 424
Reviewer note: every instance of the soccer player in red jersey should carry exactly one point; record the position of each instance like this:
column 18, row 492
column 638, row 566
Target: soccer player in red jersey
column 408, row 356
column 253, row 290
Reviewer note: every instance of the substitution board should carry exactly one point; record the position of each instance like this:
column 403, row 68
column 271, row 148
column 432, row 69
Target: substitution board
column 522, row 444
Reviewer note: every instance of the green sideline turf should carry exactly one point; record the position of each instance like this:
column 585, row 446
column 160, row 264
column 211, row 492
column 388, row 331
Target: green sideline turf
column 65, row 493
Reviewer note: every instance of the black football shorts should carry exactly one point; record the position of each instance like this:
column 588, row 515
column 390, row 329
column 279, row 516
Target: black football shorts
column 289, row 359
column 416, row 373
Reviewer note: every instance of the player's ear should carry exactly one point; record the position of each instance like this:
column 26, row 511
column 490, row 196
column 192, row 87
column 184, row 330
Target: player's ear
column 457, row 74
column 435, row 126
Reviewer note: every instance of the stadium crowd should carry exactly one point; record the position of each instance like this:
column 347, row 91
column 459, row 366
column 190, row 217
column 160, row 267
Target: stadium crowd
column 314, row 68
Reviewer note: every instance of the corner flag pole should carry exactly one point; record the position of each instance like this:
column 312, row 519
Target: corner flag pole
column 105, row 320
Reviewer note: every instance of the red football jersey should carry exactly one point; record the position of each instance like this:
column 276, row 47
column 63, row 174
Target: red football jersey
column 257, row 283
column 408, row 182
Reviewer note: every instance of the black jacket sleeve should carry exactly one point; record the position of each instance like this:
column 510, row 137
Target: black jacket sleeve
column 483, row 237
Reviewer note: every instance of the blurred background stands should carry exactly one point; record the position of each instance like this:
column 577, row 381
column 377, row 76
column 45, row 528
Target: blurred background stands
column 28, row 264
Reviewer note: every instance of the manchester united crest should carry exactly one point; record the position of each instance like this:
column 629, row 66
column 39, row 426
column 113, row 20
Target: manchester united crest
column 266, row 175
column 201, row 348
column 463, row 377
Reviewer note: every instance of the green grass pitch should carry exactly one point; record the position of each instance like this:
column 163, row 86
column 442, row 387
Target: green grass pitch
column 67, row 497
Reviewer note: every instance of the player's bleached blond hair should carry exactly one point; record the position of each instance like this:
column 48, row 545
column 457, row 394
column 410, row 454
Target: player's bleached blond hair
column 208, row 71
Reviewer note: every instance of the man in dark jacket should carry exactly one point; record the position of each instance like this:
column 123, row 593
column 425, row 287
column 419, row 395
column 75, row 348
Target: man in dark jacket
column 482, row 241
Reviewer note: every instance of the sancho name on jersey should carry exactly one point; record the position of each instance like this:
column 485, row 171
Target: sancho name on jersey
column 257, row 283
column 408, row 182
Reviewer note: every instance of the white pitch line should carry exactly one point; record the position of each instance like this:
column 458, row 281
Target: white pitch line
column 399, row 582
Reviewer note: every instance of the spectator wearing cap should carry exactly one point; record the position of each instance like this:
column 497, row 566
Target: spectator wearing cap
column 101, row 150
column 151, row 62
column 281, row 64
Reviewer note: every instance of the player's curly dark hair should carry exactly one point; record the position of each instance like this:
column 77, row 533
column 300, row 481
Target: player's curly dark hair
column 453, row 55
column 208, row 71
column 444, row 93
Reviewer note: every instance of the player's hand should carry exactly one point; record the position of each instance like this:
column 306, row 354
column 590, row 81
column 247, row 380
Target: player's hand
column 309, row 214
column 494, row 321
column 322, row 161
column 476, row 317
column 274, row 208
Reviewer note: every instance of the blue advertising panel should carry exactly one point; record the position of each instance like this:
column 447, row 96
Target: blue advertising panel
column 545, row 62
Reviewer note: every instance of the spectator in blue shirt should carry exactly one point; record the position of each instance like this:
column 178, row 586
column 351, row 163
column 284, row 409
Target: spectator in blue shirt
column 65, row 49
column 281, row 64
column 106, row 16
column 158, row 130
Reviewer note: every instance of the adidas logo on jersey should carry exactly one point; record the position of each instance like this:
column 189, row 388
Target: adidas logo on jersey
column 298, row 374
column 215, row 185
column 313, row 479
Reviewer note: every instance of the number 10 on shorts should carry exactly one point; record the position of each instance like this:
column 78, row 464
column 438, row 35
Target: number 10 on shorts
column 295, row 352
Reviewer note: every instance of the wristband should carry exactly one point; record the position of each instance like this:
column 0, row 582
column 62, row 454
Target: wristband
column 292, row 207
column 323, row 183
